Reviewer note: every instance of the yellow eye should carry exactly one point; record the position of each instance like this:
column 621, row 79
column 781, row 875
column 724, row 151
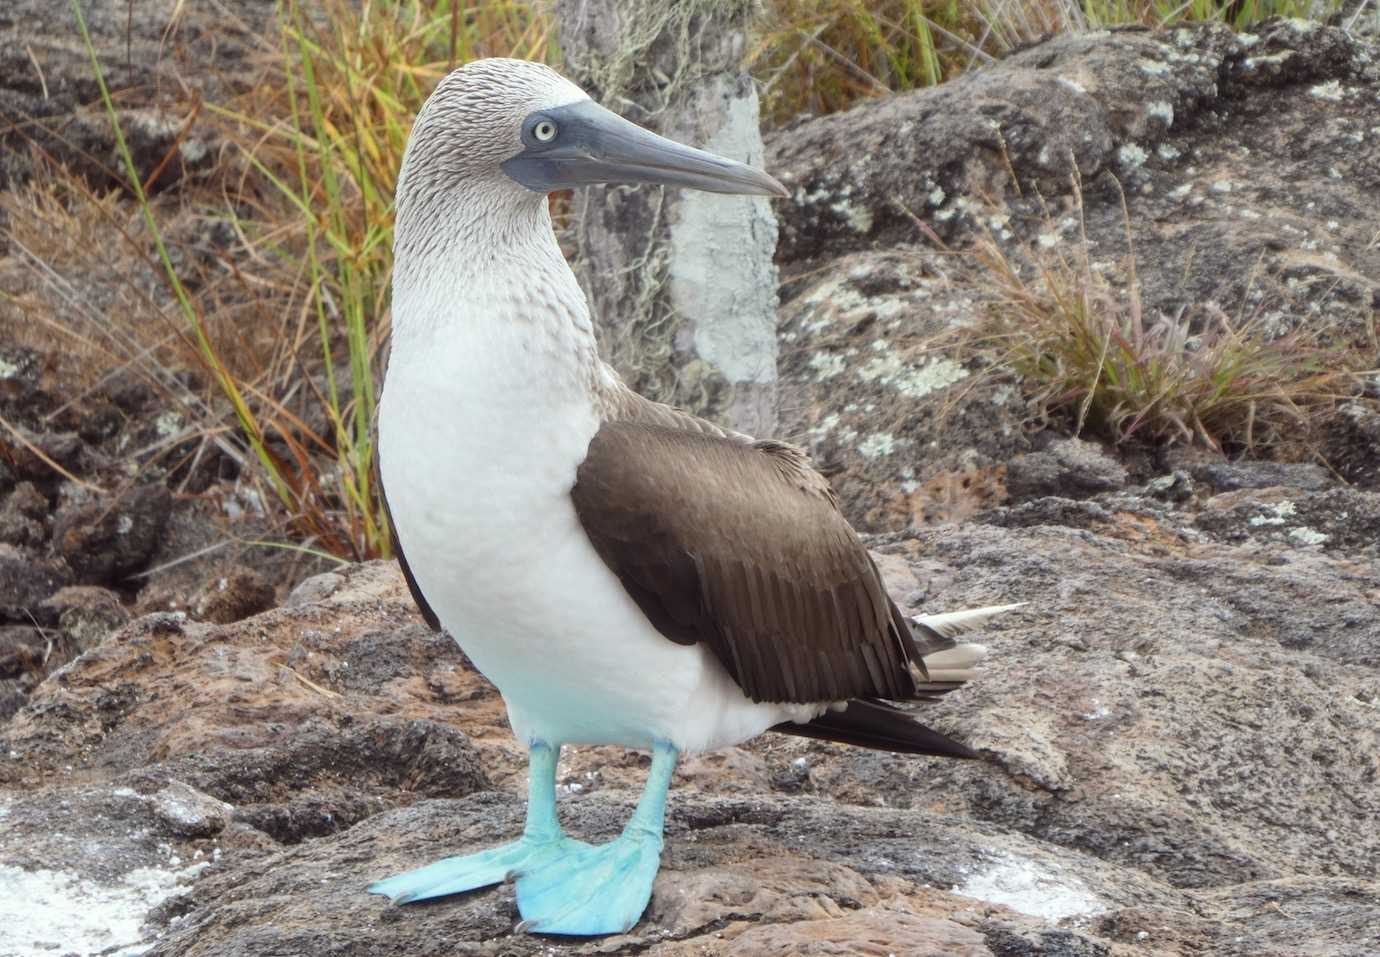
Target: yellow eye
column 545, row 131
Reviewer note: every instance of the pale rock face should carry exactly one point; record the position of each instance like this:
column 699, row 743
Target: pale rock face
column 722, row 276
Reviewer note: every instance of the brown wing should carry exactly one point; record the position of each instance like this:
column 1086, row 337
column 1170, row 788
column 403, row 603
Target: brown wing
column 740, row 545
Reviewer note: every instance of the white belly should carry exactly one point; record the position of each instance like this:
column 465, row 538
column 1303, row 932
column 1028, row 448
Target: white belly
column 479, row 493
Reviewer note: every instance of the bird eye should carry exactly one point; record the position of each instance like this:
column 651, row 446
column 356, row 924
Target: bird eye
column 544, row 131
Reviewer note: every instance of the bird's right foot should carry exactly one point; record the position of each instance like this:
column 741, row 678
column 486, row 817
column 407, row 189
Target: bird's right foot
column 455, row 875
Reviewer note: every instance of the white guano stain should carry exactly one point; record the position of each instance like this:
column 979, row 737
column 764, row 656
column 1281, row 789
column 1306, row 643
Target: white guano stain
column 1030, row 888
column 45, row 912
column 1331, row 91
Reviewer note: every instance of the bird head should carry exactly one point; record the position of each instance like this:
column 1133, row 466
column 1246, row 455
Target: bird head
column 513, row 122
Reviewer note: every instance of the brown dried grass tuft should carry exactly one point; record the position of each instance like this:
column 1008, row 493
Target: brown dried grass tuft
column 1088, row 353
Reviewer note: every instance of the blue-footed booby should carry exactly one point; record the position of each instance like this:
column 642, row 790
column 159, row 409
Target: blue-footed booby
column 625, row 573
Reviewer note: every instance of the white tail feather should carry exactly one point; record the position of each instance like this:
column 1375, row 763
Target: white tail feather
column 959, row 656
column 947, row 668
column 953, row 623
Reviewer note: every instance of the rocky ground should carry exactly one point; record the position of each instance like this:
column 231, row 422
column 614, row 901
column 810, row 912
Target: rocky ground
column 1179, row 734
column 1247, row 165
column 112, row 506
column 117, row 496
column 1180, row 729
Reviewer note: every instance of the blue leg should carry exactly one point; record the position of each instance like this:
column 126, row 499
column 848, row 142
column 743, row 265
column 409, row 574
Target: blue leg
column 603, row 889
column 542, row 841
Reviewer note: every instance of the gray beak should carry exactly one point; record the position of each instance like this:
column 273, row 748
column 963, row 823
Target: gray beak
column 587, row 144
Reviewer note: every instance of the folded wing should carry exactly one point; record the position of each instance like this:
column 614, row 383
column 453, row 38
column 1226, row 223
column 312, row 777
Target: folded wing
column 741, row 545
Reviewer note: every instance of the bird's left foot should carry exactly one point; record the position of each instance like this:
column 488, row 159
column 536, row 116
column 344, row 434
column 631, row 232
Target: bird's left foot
column 593, row 890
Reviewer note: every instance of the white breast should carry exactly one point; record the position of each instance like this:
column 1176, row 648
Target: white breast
column 485, row 416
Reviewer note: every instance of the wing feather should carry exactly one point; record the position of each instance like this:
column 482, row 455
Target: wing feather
column 741, row 545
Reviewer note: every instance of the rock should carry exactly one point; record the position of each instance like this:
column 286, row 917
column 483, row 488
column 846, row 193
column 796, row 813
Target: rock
column 22, row 650
column 314, row 589
column 27, row 654
column 1230, row 476
column 236, row 594
column 82, row 865
column 46, row 76
column 1342, row 518
column 884, row 375
column 1068, row 467
column 1131, row 716
column 1177, row 486
column 27, row 501
column 880, row 409
column 1217, row 652
column 730, row 770
column 86, row 613
column 188, row 812
column 707, row 899
column 20, row 371
column 99, row 421
column 32, row 455
column 14, row 692
column 130, row 394
column 25, row 581
column 16, row 526
column 1355, row 445
column 862, row 934
column 238, row 698
column 1092, row 103
column 110, row 538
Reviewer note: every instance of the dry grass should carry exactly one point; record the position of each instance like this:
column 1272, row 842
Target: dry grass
column 323, row 134
column 1088, row 354
column 103, row 316
column 286, row 319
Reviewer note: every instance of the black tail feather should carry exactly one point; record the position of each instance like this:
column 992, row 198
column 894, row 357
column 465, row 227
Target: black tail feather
column 875, row 724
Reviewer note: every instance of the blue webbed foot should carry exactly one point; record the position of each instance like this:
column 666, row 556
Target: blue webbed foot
column 591, row 890
column 454, row 875
column 564, row 886
column 603, row 889
column 542, row 842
